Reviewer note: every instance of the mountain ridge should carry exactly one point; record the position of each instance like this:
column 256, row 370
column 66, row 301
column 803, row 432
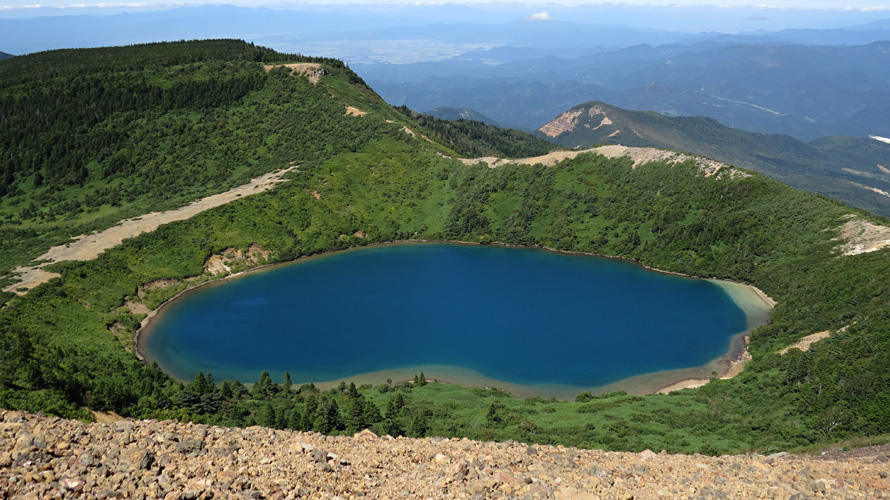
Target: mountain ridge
column 816, row 166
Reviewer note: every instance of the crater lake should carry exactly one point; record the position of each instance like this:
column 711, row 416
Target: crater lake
column 528, row 320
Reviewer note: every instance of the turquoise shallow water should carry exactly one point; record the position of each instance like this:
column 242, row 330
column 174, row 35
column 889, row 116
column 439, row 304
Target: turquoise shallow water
column 523, row 316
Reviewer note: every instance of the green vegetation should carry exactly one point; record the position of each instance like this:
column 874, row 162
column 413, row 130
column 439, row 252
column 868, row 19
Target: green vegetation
column 91, row 136
column 63, row 345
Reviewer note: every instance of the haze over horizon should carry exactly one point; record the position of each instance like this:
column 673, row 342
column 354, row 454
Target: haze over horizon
column 397, row 32
column 775, row 4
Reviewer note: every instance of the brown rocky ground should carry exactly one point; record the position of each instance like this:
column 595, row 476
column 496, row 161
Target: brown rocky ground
column 49, row 457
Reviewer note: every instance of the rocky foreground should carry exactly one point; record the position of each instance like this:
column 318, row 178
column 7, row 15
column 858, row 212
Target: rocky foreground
column 47, row 457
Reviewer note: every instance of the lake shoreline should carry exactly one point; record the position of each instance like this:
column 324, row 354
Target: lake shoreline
column 641, row 384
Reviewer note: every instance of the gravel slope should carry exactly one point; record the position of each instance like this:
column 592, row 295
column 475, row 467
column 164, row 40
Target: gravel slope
column 49, row 457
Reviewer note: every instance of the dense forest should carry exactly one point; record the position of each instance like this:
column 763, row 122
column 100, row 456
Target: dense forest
column 66, row 346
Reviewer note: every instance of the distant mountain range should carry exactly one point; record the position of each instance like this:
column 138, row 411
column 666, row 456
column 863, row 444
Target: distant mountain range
column 4, row 55
column 369, row 32
column 853, row 170
column 804, row 91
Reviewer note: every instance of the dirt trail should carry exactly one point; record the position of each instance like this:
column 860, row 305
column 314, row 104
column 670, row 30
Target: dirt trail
column 89, row 246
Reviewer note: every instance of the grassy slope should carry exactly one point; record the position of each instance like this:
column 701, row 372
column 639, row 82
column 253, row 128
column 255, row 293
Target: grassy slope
column 59, row 355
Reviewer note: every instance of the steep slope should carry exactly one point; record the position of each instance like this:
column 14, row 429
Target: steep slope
column 377, row 175
column 846, row 168
column 122, row 131
column 4, row 55
column 96, row 136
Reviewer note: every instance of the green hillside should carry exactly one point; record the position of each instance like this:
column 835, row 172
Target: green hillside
column 845, row 168
column 66, row 346
column 93, row 136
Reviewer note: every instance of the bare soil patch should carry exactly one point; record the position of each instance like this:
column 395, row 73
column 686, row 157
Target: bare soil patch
column 160, row 284
column 312, row 70
column 561, row 124
column 235, row 258
column 861, row 236
column 805, row 343
column 136, row 307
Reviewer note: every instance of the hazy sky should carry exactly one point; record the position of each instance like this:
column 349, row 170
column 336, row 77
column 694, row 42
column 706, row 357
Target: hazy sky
column 809, row 4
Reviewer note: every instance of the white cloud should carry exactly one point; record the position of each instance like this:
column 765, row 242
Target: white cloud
column 540, row 17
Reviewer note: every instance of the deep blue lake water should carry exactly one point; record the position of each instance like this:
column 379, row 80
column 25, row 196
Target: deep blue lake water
column 524, row 316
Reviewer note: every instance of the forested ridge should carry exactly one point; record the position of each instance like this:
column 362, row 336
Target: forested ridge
column 64, row 344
